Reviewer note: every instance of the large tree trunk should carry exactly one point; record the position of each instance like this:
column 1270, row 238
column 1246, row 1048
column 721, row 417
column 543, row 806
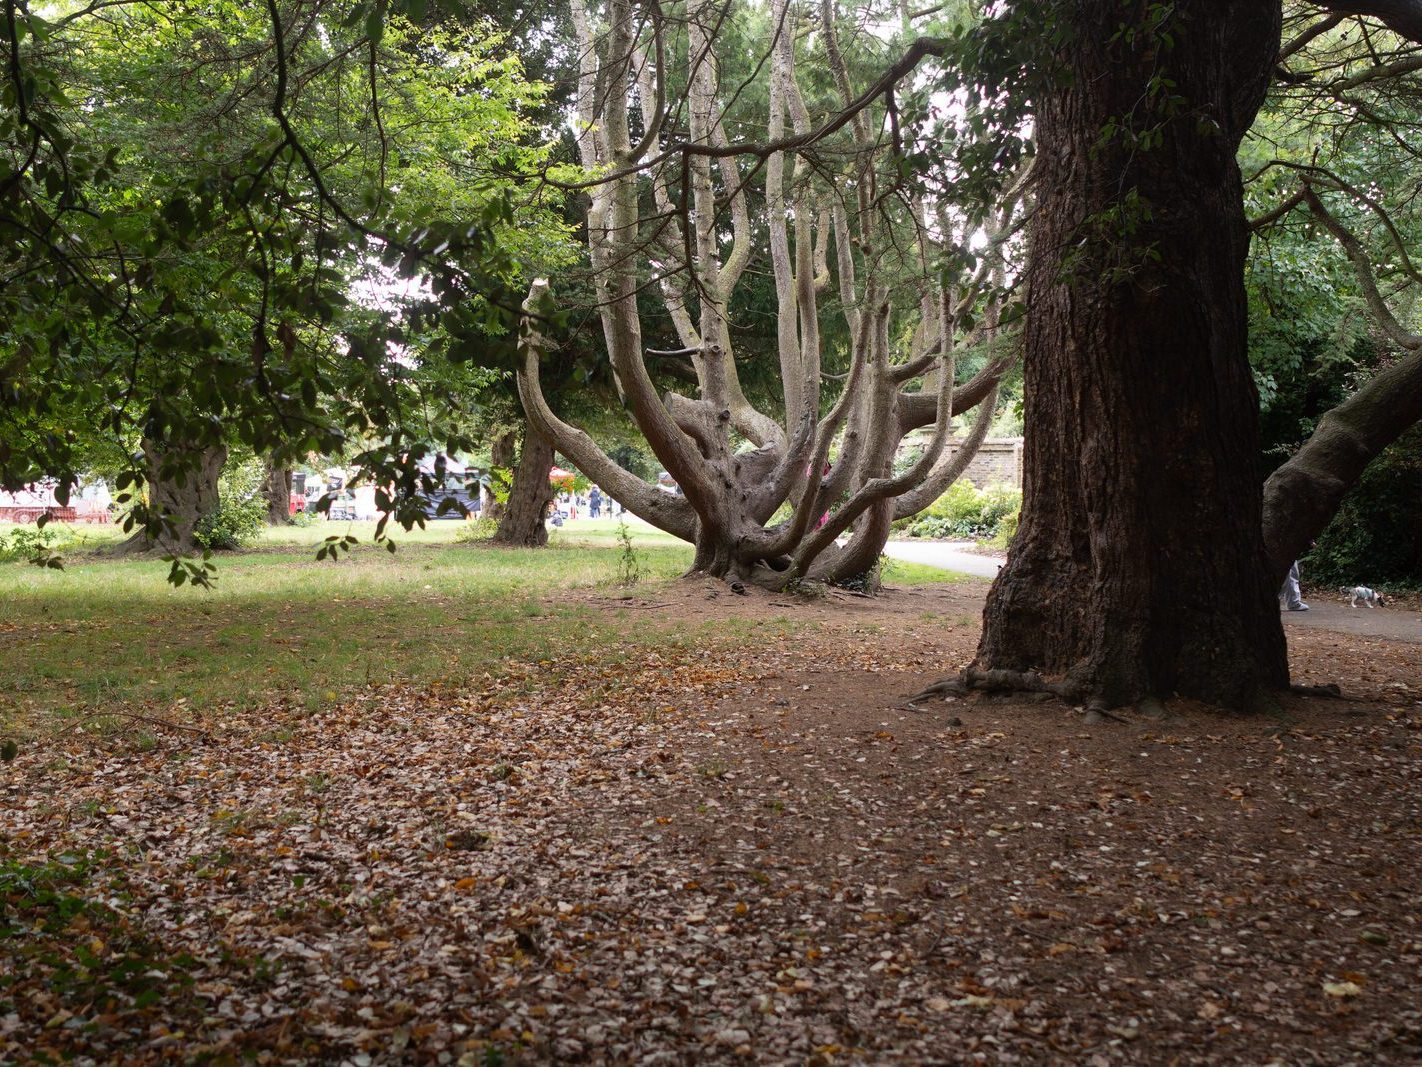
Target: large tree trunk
column 522, row 521
column 1139, row 568
column 182, row 487
column 278, row 493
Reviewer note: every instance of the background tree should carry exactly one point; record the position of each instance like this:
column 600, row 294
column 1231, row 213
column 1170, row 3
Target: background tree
column 1332, row 182
column 277, row 178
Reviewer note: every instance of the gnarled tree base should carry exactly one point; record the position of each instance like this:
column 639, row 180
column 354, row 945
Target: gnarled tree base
column 182, row 486
column 1035, row 687
column 522, row 520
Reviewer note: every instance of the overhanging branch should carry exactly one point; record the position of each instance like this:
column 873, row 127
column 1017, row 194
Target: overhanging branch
column 1402, row 17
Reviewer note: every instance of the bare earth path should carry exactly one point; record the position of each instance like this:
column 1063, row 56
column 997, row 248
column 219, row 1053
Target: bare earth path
column 699, row 857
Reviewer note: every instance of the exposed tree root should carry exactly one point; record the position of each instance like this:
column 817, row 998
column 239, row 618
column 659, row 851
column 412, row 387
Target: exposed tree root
column 998, row 681
column 1329, row 691
column 1034, row 687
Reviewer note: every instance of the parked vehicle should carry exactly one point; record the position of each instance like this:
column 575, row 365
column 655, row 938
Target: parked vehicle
column 343, row 508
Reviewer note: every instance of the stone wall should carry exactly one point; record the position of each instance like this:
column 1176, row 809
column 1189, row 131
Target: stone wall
column 998, row 462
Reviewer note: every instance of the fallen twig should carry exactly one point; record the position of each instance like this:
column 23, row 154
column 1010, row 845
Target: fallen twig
column 134, row 716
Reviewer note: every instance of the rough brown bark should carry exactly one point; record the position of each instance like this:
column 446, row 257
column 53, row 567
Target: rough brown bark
column 278, row 493
column 522, row 521
column 182, row 485
column 1139, row 567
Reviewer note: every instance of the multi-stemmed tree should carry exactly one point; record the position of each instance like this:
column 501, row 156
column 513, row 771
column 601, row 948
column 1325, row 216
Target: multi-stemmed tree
column 1149, row 550
column 873, row 275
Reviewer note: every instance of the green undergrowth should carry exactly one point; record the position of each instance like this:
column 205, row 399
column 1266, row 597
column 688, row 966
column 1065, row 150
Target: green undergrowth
column 82, row 960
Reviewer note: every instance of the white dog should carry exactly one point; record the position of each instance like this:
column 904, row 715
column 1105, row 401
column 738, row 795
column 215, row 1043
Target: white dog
column 1370, row 597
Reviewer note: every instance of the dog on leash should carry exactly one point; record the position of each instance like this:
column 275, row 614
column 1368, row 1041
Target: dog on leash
column 1361, row 594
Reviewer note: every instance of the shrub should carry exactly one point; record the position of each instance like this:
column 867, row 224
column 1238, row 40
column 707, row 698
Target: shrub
column 475, row 531
column 629, row 567
column 932, row 526
column 242, row 509
column 305, row 518
column 965, row 511
column 998, row 504
column 1006, row 529
column 25, row 542
column 235, row 523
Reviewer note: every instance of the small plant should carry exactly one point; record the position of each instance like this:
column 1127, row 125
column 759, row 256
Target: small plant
column 868, row 582
column 304, row 519
column 712, row 768
column 234, row 524
column 27, row 543
column 806, row 588
column 475, row 531
column 91, row 959
column 241, row 513
column 629, row 567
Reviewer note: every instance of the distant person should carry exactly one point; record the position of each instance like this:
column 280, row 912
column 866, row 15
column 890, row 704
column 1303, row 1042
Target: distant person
column 1289, row 595
column 594, row 503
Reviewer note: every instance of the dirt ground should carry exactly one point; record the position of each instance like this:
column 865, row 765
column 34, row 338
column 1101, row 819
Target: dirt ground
column 703, row 857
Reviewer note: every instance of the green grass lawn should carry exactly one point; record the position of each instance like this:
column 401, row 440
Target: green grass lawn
column 280, row 625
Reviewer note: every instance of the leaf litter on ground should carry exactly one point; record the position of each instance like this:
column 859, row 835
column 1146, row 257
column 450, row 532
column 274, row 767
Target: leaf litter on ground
column 746, row 850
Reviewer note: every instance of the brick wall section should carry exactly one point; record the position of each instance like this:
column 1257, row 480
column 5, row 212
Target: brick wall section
column 998, row 462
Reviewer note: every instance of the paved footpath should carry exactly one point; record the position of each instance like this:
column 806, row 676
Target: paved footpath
column 946, row 554
column 1325, row 612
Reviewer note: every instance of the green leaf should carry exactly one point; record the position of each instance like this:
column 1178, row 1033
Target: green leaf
column 375, row 23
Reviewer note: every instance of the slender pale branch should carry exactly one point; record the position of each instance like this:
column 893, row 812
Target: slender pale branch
column 662, row 510
column 1363, row 271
